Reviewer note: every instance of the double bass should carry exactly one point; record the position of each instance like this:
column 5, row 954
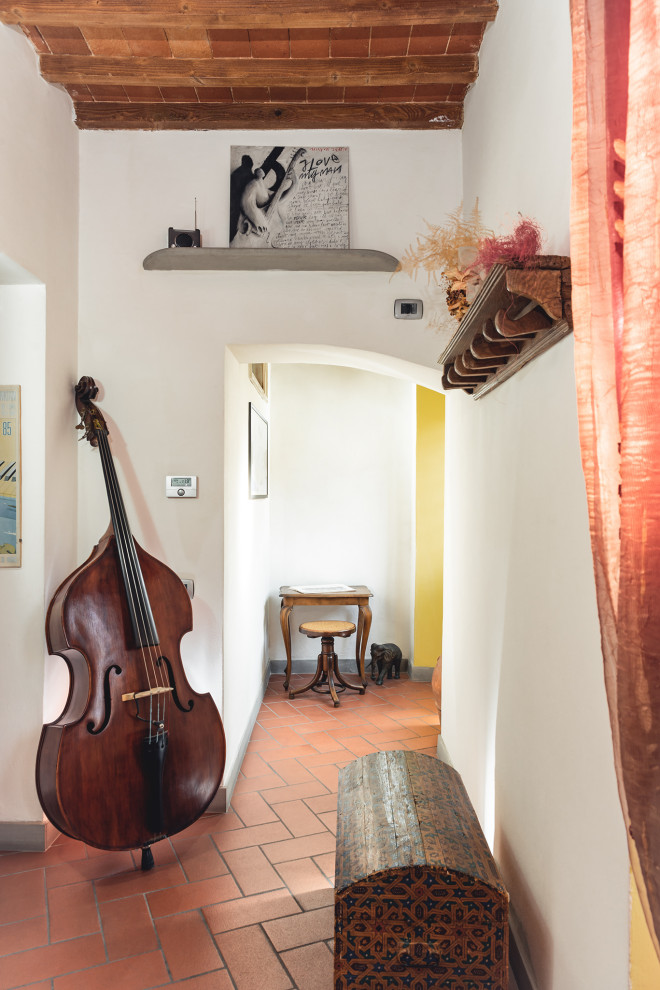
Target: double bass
column 136, row 754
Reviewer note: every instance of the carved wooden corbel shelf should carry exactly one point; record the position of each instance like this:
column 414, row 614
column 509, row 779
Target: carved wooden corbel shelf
column 518, row 314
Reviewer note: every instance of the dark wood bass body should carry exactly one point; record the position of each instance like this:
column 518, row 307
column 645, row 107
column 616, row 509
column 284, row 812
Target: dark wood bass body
column 115, row 770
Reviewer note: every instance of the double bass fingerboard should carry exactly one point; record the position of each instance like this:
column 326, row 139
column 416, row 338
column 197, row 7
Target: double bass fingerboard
column 137, row 599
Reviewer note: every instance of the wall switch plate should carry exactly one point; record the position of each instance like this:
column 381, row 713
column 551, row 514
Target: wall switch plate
column 189, row 585
column 408, row 309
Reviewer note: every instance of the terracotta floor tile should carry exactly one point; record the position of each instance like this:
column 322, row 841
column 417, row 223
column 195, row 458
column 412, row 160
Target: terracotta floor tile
column 187, row 897
column 326, row 802
column 252, row 871
column 22, row 896
column 255, row 835
column 252, row 961
column 311, row 966
column 245, row 785
column 187, row 945
column 127, row 927
column 326, row 864
column 253, row 765
column 136, row 973
column 136, row 881
column 23, row 935
column 323, row 759
column 329, row 819
column 90, row 868
column 379, row 736
column 285, row 736
column 286, row 753
column 329, row 775
column 422, row 742
column 298, row 818
column 250, row 910
column 292, row 792
column 321, row 741
column 262, row 745
column 294, row 771
column 308, row 845
column 51, row 960
column 316, row 727
column 312, row 926
column 358, row 746
column 252, row 809
column 307, row 883
column 199, row 856
column 218, row 980
column 62, row 850
column 72, row 911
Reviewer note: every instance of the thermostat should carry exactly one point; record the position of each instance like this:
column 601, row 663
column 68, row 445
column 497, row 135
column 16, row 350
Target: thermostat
column 408, row 309
column 181, row 486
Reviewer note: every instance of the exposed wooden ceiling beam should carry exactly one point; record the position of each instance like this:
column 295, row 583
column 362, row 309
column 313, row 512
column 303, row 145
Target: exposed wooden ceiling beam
column 83, row 70
column 246, row 13
column 258, row 116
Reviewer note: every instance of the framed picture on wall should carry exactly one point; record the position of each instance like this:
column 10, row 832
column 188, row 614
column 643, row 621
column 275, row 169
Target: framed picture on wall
column 10, row 476
column 258, row 454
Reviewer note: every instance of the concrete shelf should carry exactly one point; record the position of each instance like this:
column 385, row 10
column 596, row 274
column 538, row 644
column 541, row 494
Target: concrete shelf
column 268, row 259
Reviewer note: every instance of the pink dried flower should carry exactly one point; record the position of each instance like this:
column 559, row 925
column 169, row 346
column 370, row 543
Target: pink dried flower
column 523, row 243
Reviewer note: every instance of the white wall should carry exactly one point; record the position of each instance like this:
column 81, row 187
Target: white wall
column 38, row 244
column 156, row 341
column 342, row 473
column 524, row 710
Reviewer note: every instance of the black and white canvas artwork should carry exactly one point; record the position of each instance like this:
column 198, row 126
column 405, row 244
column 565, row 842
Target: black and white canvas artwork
column 288, row 197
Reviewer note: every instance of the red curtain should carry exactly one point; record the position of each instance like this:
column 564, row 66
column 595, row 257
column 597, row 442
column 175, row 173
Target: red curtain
column 615, row 256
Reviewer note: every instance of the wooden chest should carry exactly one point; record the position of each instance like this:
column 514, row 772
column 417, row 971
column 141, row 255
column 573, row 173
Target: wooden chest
column 419, row 902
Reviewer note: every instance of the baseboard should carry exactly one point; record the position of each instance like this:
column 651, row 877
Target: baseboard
column 518, row 960
column 419, row 673
column 346, row 667
column 27, row 836
column 222, row 800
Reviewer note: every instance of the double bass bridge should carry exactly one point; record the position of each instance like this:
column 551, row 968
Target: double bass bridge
column 138, row 696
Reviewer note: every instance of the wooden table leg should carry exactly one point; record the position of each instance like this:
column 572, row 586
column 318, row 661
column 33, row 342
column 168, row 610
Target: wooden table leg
column 285, row 612
column 364, row 625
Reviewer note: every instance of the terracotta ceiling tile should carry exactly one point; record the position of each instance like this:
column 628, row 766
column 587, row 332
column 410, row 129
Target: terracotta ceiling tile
column 465, row 38
column 269, row 44
column 214, row 94
column 179, row 94
column 64, row 40
column 229, row 43
column 106, row 41
column 189, row 42
column 309, row 42
column 349, row 42
column 389, row 41
column 144, row 94
column 325, row 94
column 108, row 94
column 147, row 41
column 459, row 92
column 361, row 94
column 429, row 39
column 250, row 94
column 395, row 94
column 432, row 94
column 288, row 94
column 35, row 36
column 80, row 94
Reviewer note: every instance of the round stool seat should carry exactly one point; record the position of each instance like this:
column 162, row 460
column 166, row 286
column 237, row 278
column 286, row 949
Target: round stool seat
column 327, row 627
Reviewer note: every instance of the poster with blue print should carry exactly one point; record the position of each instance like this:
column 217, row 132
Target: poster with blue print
column 10, row 475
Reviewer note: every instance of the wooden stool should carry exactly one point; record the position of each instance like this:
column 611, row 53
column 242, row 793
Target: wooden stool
column 327, row 668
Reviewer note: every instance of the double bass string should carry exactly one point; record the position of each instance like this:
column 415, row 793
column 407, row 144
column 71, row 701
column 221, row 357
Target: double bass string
column 134, row 581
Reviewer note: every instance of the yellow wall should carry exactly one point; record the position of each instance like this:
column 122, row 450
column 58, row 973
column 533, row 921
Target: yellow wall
column 429, row 538
column 644, row 965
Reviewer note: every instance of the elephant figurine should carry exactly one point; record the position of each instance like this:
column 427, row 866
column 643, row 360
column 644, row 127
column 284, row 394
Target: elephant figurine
column 385, row 656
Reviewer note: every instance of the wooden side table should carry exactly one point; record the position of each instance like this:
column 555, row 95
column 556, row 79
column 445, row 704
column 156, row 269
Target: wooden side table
column 358, row 595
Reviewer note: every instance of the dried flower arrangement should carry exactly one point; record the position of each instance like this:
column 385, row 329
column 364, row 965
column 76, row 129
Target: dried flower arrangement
column 518, row 247
column 459, row 254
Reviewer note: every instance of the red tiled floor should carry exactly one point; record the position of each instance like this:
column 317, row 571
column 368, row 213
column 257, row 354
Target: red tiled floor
column 241, row 901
